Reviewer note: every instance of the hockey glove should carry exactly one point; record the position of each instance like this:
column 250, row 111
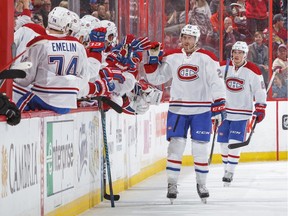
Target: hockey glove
column 97, row 38
column 218, row 110
column 140, row 44
column 115, row 74
column 10, row 110
column 104, row 87
column 155, row 53
column 259, row 112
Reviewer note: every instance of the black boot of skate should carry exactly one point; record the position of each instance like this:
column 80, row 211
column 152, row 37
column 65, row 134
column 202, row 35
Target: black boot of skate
column 202, row 192
column 227, row 179
column 172, row 192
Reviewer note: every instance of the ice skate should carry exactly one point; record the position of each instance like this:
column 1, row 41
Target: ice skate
column 172, row 192
column 227, row 179
column 202, row 192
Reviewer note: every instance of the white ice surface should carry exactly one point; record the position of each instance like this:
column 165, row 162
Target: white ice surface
column 258, row 189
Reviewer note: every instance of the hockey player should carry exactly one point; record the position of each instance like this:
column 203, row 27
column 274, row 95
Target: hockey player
column 10, row 110
column 196, row 90
column 59, row 70
column 244, row 82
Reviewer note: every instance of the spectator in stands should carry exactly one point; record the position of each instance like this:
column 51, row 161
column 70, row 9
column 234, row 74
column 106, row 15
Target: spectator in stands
column 257, row 15
column 101, row 13
column 230, row 37
column 64, row 4
column 279, row 87
column 258, row 54
column 278, row 27
column 44, row 11
column 202, row 6
column 281, row 62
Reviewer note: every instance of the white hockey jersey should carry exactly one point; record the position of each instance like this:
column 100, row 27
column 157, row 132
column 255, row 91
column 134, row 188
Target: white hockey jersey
column 195, row 81
column 242, row 86
column 58, row 71
column 22, row 37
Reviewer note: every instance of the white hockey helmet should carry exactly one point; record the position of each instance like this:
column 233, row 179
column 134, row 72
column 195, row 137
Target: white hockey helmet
column 59, row 18
column 242, row 46
column 111, row 30
column 74, row 24
column 90, row 22
column 192, row 30
column 87, row 23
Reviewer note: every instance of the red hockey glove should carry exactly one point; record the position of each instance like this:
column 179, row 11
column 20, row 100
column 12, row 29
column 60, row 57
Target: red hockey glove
column 218, row 110
column 155, row 53
column 140, row 44
column 113, row 73
column 97, row 38
column 259, row 112
column 102, row 87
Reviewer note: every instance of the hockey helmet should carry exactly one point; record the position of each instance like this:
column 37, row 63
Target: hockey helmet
column 87, row 23
column 59, row 18
column 74, row 24
column 111, row 30
column 192, row 30
column 241, row 45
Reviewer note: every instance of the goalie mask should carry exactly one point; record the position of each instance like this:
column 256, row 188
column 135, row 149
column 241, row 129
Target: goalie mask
column 192, row 30
column 59, row 18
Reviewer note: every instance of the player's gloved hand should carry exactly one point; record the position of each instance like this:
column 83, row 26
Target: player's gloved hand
column 115, row 74
column 97, row 38
column 155, row 53
column 104, row 87
column 10, row 110
column 259, row 112
column 126, row 41
column 218, row 110
column 140, row 44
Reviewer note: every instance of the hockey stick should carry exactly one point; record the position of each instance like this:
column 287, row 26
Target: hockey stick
column 226, row 68
column 106, row 100
column 103, row 120
column 238, row 145
column 106, row 195
column 213, row 141
column 11, row 74
column 271, row 80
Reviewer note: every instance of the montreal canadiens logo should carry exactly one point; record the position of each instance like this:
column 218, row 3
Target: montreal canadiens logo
column 235, row 84
column 188, row 73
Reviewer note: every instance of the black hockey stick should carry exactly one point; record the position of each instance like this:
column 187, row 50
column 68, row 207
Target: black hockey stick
column 213, row 141
column 238, row 145
column 106, row 195
column 226, row 68
column 110, row 197
column 106, row 100
column 12, row 74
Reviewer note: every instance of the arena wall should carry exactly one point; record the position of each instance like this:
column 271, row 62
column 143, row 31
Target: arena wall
column 51, row 164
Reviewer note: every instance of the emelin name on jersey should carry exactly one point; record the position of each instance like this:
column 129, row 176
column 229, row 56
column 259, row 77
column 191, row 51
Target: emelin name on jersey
column 63, row 46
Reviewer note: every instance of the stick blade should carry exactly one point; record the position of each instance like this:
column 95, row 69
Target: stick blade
column 237, row 145
column 12, row 74
column 108, row 197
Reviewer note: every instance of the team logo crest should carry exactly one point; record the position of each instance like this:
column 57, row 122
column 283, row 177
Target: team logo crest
column 188, row 73
column 235, row 84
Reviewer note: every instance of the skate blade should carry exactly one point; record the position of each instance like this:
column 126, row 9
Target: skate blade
column 204, row 200
column 172, row 201
column 227, row 184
